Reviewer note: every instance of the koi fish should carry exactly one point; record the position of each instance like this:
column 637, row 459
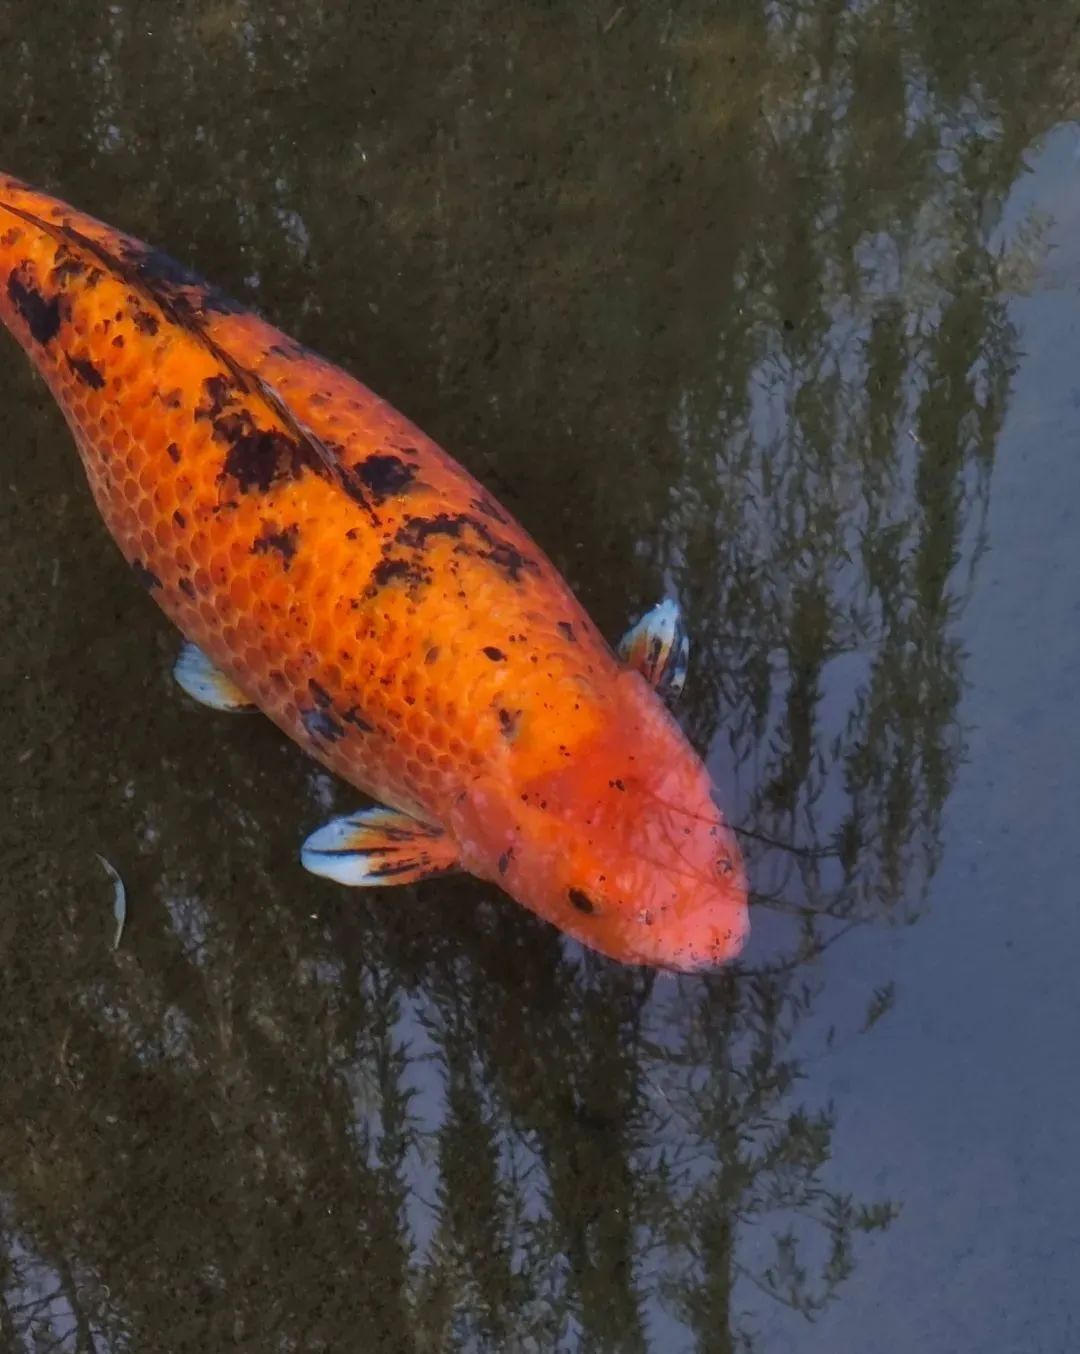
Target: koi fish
column 331, row 566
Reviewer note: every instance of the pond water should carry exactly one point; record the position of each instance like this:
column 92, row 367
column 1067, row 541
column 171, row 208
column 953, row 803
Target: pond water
column 771, row 306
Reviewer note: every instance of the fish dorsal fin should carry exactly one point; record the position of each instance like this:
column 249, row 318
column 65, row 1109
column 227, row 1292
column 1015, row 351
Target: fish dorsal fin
column 659, row 648
column 168, row 291
column 379, row 846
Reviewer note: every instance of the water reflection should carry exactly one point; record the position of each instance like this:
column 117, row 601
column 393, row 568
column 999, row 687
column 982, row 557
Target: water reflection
column 725, row 313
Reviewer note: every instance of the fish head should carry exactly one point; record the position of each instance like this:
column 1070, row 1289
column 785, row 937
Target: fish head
column 622, row 848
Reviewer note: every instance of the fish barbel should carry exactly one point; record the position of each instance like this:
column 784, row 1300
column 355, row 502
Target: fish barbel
column 330, row 565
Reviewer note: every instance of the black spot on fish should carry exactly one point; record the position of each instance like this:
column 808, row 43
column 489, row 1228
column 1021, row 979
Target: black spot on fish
column 217, row 392
column 146, row 576
column 508, row 722
column 496, row 655
column 319, row 694
column 288, row 348
column 170, row 281
column 566, row 630
column 432, row 654
column 489, row 508
column 320, row 724
column 384, row 475
column 174, row 453
column 40, row 313
column 415, row 532
column 475, row 539
column 145, row 323
column 354, row 717
column 259, row 457
column 66, row 266
column 179, row 518
column 504, row 860
column 282, row 542
column 186, row 586
column 616, row 784
column 510, row 561
column 581, row 901
column 154, row 265
column 118, row 341
column 397, row 570
column 85, row 370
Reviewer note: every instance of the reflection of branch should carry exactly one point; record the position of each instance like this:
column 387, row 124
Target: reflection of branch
column 813, row 952
column 831, row 910
column 808, row 852
column 803, row 1308
column 7, row 1322
column 35, row 1304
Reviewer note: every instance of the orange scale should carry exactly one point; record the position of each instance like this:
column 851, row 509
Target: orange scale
column 201, row 580
column 294, row 671
column 239, row 553
column 255, row 659
column 163, row 534
column 147, row 542
column 323, row 637
column 130, row 490
column 138, row 419
column 275, row 587
column 209, row 614
column 239, row 589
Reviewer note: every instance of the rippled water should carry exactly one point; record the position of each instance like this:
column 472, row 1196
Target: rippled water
column 771, row 305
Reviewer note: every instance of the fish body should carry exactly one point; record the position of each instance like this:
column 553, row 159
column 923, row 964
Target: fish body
column 338, row 570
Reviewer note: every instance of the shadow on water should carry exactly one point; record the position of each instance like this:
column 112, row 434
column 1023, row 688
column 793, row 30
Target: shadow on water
column 723, row 311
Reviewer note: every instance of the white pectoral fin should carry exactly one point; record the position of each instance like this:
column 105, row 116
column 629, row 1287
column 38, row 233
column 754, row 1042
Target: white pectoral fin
column 207, row 684
column 659, row 648
column 379, row 846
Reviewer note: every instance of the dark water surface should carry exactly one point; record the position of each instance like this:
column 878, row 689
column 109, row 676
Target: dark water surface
column 771, row 305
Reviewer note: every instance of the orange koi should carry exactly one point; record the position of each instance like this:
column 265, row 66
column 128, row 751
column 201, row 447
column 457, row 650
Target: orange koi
column 330, row 565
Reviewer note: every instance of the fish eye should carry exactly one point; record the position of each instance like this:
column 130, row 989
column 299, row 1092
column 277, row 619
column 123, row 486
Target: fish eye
column 581, row 900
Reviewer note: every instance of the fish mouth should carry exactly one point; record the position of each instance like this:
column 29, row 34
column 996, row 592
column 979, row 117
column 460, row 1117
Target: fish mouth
column 721, row 952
